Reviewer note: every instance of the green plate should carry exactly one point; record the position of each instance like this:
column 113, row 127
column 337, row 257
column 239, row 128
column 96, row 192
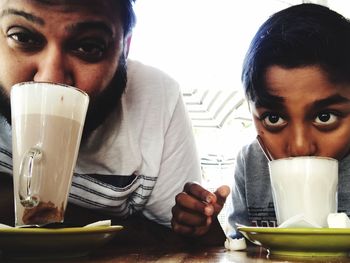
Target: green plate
column 300, row 241
column 23, row 243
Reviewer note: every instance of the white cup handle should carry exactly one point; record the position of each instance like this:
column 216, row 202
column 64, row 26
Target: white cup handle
column 28, row 185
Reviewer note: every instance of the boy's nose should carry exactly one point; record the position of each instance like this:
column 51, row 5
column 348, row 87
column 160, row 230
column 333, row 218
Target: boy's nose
column 301, row 143
column 52, row 67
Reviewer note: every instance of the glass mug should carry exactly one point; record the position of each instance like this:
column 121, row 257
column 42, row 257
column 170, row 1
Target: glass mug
column 304, row 187
column 47, row 125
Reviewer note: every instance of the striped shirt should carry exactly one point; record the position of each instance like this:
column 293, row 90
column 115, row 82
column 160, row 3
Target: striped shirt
column 140, row 157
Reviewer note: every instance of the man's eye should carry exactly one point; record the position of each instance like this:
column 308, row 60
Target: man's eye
column 90, row 50
column 24, row 38
column 326, row 118
column 273, row 121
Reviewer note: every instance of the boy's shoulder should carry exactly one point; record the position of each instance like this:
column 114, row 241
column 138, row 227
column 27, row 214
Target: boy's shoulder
column 252, row 150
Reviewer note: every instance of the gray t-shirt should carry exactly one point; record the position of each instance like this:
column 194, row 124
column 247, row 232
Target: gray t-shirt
column 252, row 202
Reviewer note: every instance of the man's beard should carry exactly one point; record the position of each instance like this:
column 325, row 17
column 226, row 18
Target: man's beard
column 5, row 107
column 100, row 105
column 103, row 104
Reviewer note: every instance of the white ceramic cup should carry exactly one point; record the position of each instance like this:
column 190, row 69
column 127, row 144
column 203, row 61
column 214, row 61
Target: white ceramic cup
column 47, row 125
column 304, row 187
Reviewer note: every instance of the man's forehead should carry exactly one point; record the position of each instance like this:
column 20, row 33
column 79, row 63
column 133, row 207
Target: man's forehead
column 107, row 5
column 103, row 10
column 65, row 2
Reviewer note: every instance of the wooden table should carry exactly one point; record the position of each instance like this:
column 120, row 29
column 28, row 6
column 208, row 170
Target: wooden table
column 146, row 254
column 146, row 241
column 218, row 254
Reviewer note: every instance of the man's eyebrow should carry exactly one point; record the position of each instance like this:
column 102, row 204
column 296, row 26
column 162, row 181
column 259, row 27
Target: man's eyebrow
column 88, row 25
column 28, row 16
column 335, row 99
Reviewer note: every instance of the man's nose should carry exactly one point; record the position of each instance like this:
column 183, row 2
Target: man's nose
column 301, row 142
column 53, row 67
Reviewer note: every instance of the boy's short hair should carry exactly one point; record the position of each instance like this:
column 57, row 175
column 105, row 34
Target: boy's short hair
column 301, row 35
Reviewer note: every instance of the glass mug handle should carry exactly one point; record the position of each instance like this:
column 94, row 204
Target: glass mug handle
column 28, row 185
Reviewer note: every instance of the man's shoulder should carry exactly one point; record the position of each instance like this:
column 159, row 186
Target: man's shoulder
column 147, row 85
column 140, row 74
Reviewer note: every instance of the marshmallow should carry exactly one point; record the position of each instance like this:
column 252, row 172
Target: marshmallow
column 235, row 243
column 338, row 220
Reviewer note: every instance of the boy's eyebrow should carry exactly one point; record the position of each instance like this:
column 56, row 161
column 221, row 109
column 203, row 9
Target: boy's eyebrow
column 275, row 102
column 270, row 101
column 335, row 99
column 27, row 16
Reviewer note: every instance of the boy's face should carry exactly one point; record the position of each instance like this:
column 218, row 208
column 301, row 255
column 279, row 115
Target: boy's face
column 75, row 42
column 311, row 116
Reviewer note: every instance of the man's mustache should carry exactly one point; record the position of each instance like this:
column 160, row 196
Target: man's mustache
column 100, row 106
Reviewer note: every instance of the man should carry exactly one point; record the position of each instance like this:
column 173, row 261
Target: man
column 296, row 77
column 138, row 149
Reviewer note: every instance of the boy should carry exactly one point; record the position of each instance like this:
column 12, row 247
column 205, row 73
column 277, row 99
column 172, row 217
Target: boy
column 296, row 77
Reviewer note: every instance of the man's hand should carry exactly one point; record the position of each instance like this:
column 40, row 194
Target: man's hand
column 196, row 209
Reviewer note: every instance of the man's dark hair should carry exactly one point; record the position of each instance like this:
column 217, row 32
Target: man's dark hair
column 128, row 15
column 301, row 35
column 126, row 11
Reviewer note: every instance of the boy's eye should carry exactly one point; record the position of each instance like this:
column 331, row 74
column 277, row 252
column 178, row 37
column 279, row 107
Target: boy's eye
column 326, row 118
column 273, row 121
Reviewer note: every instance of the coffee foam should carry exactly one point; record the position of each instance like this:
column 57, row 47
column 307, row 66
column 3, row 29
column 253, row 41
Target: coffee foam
column 51, row 99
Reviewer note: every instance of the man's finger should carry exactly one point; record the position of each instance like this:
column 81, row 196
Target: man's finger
column 189, row 202
column 199, row 192
column 182, row 229
column 199, row 231
column 188, row 230
column 188, row 218
column 221, row 194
